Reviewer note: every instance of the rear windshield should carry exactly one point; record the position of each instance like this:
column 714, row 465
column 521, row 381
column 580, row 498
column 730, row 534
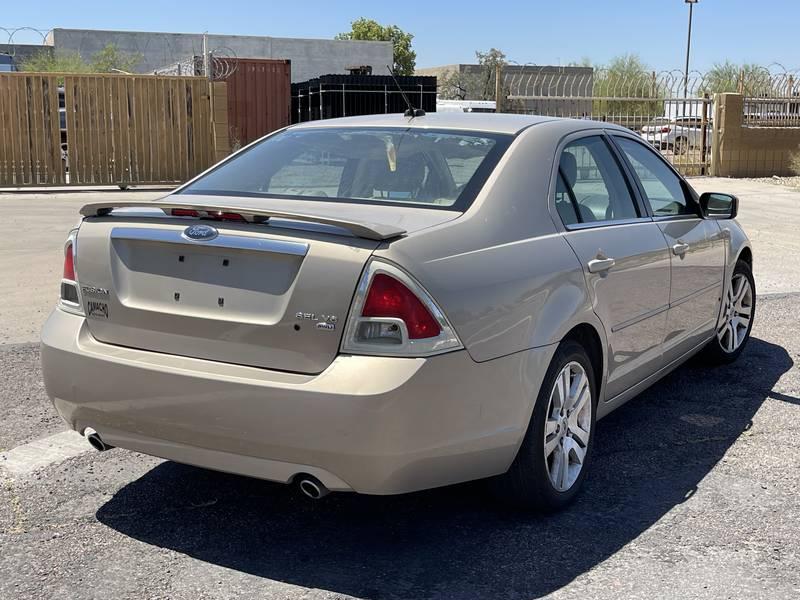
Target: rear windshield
column 420, row 167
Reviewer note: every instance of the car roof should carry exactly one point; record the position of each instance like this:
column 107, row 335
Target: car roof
column 484, row 122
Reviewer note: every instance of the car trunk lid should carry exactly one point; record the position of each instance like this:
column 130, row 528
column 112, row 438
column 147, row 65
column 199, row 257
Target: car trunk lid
column 273, row 294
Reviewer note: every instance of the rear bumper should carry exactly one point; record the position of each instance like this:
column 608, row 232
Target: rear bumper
column 368, row 424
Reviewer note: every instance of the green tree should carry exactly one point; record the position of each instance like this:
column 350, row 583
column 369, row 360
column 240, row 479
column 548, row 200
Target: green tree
column 489, row 62
column 474, row 82
column 469, row 84
column 47, row 61
column 626, row 76
column 111, row 59
column 728, row 77
column 455, row 85
column 105, row 61
column 405, row 59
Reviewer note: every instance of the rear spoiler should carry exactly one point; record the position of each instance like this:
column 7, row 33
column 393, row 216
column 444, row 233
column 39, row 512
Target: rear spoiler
column 370, row 231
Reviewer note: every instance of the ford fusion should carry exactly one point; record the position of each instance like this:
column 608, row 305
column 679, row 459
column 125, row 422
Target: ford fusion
column 386, row 304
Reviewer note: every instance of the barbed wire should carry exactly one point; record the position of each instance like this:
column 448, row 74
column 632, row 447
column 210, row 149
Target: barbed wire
column 222, row 63
column 539, row 81
column 12, row 31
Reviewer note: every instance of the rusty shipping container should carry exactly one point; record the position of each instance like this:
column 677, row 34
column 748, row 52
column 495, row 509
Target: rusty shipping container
column 259, row 97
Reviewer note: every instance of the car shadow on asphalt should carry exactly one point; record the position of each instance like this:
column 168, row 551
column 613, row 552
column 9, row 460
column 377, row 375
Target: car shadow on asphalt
column 456, row 541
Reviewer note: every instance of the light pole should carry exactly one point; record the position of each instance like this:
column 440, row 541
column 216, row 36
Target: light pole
column 691, row 4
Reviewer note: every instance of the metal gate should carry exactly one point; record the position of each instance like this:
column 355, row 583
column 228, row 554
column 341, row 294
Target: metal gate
column 670, row 112
column 70, row 129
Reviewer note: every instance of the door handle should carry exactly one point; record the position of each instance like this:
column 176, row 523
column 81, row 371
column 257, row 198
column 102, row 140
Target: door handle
column 680, row 248
column 598, row 265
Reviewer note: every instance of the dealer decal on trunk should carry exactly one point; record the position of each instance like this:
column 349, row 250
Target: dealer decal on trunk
column 94, row 308
column 98, row 310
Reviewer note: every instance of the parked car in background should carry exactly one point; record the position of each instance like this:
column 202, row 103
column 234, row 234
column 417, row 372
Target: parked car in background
column 679, row 134
column 467, row 106
column 386, row 304
column 7, row 63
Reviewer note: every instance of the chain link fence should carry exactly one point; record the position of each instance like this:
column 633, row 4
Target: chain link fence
column 672, row 112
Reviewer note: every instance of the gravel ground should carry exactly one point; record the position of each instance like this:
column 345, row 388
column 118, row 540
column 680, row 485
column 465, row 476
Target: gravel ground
column 692, row 494
column 36, row 225
column 26, row 416
column 792, row 182
column 770, row 215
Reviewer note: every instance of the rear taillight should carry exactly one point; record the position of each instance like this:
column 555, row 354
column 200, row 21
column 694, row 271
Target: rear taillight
column 228, row 216
column 393, row 315
column 184, row 212
column 388, row 297
column 70, row 295
column 665, row 130
column 69, row 261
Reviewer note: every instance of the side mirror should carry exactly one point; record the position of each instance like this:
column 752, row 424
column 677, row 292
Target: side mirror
column 719, row 206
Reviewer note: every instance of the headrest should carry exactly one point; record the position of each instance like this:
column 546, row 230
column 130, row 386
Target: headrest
column 408, row 175
column 569, row 167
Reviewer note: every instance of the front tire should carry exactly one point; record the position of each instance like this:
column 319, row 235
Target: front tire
column 552, row 462
column 736, row 320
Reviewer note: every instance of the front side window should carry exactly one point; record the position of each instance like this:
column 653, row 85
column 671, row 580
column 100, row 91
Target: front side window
column 590, row 185
column 662, row 188
column 435, row 169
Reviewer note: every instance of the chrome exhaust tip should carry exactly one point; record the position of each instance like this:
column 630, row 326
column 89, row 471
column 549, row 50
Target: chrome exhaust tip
column 95, row 440
column 312, row 487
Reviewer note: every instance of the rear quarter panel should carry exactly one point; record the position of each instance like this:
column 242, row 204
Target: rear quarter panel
column 502, row 273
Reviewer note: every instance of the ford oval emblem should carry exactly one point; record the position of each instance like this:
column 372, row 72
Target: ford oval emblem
column 200, row 233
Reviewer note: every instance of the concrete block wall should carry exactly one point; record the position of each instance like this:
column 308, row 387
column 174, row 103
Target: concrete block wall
column 310, row 57
column 22, row 52
column 740, row 151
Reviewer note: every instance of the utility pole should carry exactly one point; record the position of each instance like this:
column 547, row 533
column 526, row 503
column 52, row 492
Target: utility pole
column 498, row 88
column 205, row 56
column 691, row 4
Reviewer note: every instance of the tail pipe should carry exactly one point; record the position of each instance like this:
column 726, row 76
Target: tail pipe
column 95, row 440
column 312, row 487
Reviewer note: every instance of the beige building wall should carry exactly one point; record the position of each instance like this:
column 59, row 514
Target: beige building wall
column 740, row 151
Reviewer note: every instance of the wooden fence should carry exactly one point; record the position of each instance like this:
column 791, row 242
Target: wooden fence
column 113, row 129
column 30, row 136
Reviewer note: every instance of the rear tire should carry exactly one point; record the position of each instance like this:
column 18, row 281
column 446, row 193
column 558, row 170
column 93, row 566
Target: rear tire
column 551, row 464
column 680, row 146
column 736, row 320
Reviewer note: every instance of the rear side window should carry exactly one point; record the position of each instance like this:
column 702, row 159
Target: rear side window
column 428, row 168
column 662, row 188
column 590, row 185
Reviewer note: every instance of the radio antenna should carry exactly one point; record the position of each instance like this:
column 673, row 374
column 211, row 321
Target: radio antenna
column 410, row 111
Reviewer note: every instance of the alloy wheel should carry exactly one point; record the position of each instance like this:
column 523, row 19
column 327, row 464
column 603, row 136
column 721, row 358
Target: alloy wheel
column 568, row 426
column 735, row 322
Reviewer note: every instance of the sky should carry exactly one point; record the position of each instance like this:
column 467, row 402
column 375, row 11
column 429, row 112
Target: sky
column 539, row 32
